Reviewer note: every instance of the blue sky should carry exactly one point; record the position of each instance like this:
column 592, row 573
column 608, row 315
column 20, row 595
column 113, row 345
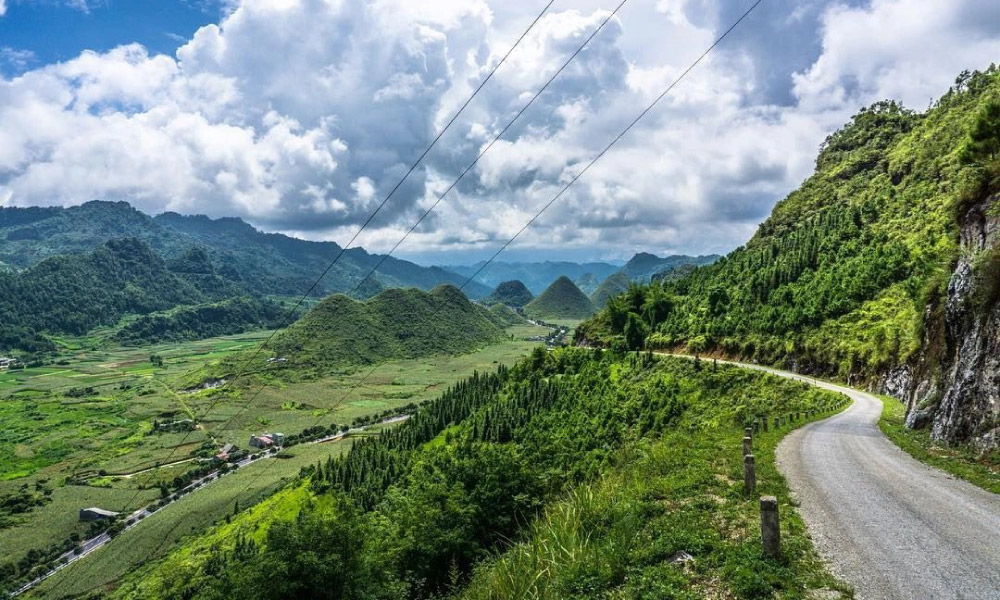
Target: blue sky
column 299, row 115
column 55, row 30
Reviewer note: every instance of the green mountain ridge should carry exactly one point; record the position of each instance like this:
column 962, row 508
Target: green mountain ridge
column 266, row 263
column 561, row 300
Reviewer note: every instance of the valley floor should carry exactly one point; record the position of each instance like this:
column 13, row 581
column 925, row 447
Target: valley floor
column 82, row 436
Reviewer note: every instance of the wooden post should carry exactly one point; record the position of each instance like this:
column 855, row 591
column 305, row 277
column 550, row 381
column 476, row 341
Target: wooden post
column 770, row 533
column 749, row 474
column 747, row 446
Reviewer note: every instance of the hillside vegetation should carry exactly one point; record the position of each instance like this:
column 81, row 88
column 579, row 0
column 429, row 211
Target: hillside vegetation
column 839, row 278
column 561, row 300
column 231, row 316
column 609, row 288
column 417, row 511
column 512, row 293
column 73, row 294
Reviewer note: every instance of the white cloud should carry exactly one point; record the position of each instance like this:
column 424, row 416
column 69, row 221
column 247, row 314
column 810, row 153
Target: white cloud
column 3, row 7
column 910, row 51
column 300, row 115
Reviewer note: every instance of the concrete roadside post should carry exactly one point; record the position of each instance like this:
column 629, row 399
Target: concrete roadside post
column 748, row 432
column 747, row 446
column 763, row 423
column 770, row 533
column 749, row 475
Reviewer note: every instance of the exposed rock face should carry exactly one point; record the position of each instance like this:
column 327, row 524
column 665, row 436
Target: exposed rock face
column 953, row 384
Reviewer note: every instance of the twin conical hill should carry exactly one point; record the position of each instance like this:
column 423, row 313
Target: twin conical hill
column 561, row 300
column 397, row 323
column 512, row 293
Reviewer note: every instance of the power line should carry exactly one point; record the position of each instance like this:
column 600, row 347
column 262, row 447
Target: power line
column 291, row 312
column 573, row 180
column 562, row 191
column 458, row 179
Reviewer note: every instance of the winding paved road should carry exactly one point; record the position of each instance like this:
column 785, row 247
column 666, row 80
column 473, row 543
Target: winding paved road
column 891, row 526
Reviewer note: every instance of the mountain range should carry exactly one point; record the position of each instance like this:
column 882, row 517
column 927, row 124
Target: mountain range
column 268, row 263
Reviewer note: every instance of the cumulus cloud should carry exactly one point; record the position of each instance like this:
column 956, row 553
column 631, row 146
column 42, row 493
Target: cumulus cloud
column 300, row 115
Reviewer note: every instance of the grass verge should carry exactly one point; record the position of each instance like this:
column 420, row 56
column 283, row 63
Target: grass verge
column 670, row 521
column 966, row 463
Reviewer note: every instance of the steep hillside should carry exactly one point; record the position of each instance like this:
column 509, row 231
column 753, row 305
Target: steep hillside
column 536, row 276
column 266, row 263
column 860, row 272
column 397, row 323
column 592, row 453
column 643, row 266
column 609, row 288
column 562, row 300
column 511, row 293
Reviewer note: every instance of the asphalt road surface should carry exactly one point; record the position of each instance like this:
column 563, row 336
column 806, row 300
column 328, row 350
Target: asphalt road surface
column 889, row 525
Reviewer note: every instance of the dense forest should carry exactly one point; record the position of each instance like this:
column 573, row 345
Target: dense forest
column 231, row 316
column 840, row 278
column 414, row 512
column 73, row 294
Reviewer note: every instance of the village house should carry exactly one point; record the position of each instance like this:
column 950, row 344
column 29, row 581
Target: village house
column 267, row 440
column 228, row 451
column 96, row 514
column 7, row 362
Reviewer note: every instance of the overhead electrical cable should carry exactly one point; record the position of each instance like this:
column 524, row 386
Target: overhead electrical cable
column 562, row 190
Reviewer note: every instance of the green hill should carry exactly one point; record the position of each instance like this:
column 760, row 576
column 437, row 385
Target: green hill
column 609, row 288
column 562, row 300
column 849, row 276
column 511, row 293
column 396, row 324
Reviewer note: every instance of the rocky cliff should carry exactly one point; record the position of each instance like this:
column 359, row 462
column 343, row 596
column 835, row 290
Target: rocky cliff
column 953, row 384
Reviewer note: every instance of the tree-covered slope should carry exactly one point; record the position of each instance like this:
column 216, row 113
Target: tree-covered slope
column 230, row 316
column 840, row 278
column 397, row 323
column 561, row 300
column 420, row 510
column 512, row 293
column 536, row 276
column 609, row 288
column 73, row 294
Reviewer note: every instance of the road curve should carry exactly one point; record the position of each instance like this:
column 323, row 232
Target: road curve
column 889, row 525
